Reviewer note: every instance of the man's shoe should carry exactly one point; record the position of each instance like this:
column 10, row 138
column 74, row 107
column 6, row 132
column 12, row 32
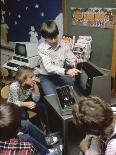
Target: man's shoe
column 51, row 140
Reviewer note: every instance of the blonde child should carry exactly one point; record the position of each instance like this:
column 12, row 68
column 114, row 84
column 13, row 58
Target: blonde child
column 24, row 91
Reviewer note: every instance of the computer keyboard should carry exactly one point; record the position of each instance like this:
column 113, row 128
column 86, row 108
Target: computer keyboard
column 66, row 98
column 10, row 64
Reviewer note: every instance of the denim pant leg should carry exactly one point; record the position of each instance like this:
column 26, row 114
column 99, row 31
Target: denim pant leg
column 33, row 131
column 47, row 85
column 63, row 80
column 33, row 135
column 24, row 113
column 41, row 149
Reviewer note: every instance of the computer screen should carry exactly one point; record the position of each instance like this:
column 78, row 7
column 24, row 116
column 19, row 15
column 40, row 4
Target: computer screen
column 26, row 49
column 20, row 49
column 84, row 80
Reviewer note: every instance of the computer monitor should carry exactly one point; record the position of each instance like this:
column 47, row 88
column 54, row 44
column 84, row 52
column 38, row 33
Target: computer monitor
column 25, row 53
column 20, row 49
column 93, row 81
column 26, row 49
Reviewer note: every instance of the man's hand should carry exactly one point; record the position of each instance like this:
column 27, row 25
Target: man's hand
column 73, row 72
column 79, row 60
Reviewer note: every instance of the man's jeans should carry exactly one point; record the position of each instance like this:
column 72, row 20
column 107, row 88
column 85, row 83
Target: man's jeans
column 50, row 82
column 33, row 135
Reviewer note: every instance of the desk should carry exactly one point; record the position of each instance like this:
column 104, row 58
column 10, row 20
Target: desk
column 53, row 102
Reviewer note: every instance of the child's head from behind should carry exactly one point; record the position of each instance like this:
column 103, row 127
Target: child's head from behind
column 49, row 31
column 10, row 121
column 93, row 114
column 25, row 75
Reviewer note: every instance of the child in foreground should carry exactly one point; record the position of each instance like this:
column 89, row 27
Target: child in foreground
column 20, row 137
column 96, row 119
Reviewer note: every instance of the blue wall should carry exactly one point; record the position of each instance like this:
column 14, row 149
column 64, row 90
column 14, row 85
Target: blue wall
column 20, row 15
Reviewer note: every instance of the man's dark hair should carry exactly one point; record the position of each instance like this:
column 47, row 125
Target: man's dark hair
column 49, row 30
column 10, row 121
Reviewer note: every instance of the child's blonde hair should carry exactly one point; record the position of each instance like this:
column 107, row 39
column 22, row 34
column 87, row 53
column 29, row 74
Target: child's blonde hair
column 22, row 73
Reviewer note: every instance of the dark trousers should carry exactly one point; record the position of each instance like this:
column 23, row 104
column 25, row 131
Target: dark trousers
column 33, row 135
column 40, row 109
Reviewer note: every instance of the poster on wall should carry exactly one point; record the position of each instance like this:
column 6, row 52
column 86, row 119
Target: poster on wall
column 94, row 17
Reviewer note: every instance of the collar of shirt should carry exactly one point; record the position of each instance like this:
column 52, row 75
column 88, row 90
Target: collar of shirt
column 56, row 48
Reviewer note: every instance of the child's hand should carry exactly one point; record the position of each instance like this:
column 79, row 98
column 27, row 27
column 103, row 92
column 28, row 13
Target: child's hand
column 36, row 79
column 84, row 145
column 30, row 104
column 33, row 84
column 35, row 88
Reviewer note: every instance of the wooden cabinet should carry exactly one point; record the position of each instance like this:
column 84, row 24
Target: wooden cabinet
column 114, row 64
